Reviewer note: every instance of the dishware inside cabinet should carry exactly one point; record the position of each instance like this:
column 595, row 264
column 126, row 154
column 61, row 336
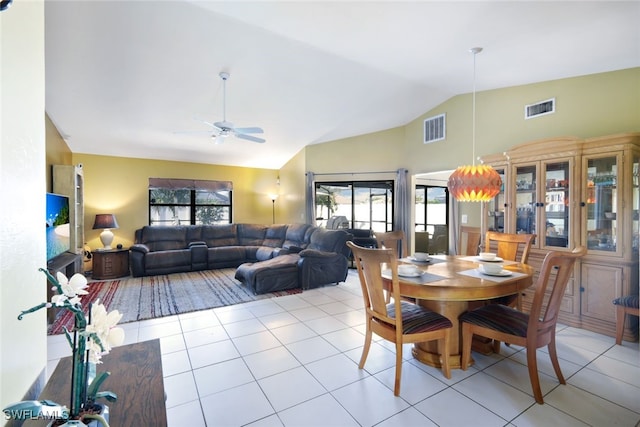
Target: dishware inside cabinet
column 602, row 203
column 496, row 206
column 556, row 204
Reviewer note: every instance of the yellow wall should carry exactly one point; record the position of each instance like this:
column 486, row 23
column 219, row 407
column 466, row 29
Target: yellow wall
column 120, row 185
column 23, row 343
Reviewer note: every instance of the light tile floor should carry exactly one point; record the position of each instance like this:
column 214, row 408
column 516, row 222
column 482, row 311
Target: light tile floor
column 292, row 361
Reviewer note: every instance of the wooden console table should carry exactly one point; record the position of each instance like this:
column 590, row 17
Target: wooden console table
column 136, row 378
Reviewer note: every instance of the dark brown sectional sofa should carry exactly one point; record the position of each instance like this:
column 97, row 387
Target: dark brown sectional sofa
column 320, row 254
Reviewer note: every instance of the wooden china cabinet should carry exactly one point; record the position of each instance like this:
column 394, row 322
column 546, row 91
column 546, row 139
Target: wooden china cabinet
column 571, row 192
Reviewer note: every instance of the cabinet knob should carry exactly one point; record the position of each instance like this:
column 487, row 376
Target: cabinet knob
column 583, row 204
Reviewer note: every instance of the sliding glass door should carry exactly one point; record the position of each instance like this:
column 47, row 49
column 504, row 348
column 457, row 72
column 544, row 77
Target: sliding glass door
column 364, row 205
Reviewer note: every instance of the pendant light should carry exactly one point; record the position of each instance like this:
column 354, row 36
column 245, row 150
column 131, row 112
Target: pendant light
column 474, row 183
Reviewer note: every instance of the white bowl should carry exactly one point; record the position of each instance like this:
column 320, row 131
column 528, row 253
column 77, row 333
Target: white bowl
column 487, row 256
column 421, row 256
column 407, row 270
column 491, row 268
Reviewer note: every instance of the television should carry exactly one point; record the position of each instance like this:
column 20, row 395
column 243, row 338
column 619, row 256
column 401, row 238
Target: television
column 58, row 226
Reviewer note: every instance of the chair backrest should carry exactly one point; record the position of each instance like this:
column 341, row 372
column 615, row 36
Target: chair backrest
column 369, row 262
column 508, row 246
column 395, row 240
column 555, row 272
column 468, row 240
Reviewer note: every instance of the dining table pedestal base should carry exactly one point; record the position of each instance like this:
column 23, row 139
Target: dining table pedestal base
column 428, row 352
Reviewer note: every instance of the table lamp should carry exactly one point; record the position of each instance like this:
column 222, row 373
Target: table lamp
column 105, row 222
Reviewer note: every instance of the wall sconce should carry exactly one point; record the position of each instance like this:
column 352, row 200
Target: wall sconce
column 273, row 207
column 105, row 222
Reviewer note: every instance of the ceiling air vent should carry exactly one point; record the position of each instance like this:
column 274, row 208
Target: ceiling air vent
column 541, row 108
column 435, row 128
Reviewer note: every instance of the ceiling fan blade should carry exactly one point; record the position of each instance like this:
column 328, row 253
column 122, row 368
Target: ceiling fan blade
column 249, row 130
column 205, row 122
column 250, row 138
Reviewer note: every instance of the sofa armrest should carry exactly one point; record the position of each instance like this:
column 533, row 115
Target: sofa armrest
column 137, row 253
column 292, row 249
column 192, row 244
column 315, row 253
column 140, row 247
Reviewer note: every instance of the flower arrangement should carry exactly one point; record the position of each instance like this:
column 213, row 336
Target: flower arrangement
column 90, row 339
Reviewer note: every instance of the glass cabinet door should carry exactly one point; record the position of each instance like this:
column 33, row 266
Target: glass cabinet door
column 556, row 205
column 525, row 201
column 602, row 203
column 496, row 206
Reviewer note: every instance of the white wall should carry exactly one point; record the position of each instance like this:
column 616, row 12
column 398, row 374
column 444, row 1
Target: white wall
column 23, row 344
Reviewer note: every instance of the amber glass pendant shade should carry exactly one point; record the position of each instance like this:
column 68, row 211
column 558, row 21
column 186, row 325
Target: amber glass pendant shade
column 477, row 183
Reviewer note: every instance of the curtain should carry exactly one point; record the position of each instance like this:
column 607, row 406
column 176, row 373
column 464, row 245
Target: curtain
column 309, row 205
column 189, row 184
column 402, row 205
column 454, row 226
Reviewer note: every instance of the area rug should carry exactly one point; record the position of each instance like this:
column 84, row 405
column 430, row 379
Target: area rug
column 142, row 298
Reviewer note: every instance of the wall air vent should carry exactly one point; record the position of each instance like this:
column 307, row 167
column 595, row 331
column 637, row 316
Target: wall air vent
column 541, row 108
column 435, row 128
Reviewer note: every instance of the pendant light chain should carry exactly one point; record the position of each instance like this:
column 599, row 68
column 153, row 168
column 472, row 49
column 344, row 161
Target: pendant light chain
column 475, row 51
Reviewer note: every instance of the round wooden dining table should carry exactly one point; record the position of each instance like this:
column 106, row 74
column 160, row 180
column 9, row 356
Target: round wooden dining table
column 448, row 285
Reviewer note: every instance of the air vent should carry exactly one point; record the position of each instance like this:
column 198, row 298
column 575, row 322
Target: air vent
column 541, row 108
column 435, row 128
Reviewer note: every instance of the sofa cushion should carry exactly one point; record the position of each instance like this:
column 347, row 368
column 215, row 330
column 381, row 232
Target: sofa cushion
column 275, row 235
column 226, row 256
column 296, row 236
column 251, row 234
column 277, row 274
column 329, row 240
column 220, row 235
column 159, row 238
column 167, row 259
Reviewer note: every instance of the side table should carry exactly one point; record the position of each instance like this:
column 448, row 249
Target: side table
column 110, row 264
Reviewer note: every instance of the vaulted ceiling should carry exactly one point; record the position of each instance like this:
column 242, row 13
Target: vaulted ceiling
column 138, row 78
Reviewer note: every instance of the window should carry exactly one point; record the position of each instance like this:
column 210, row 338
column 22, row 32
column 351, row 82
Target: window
column 432, row 211
column 365, row 204
column 188, row 202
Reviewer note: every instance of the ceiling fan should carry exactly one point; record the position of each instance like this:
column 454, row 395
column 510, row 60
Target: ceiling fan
column 224, row 128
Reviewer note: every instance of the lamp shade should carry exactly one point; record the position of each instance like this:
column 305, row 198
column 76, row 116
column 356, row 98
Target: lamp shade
column 477, row 183
column 105, row 221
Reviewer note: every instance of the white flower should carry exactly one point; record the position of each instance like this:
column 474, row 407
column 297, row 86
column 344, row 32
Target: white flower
column 103, row 325
column 74, row 287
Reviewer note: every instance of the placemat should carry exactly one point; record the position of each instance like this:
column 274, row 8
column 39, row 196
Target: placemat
column 423, row 278
column 478, row 275
column 431, row 261
column 476, row 258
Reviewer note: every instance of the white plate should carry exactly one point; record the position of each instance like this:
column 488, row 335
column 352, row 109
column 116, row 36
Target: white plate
column 503, row 273
column 496, row 259
column 416, row 273
column 419, row 260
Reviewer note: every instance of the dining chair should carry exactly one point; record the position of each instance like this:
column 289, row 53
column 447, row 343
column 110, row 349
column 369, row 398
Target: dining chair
column 508, row 246
column 624, row 305
column 530, row 330
column 401, row 321
column 469, row 240
column 395, row 240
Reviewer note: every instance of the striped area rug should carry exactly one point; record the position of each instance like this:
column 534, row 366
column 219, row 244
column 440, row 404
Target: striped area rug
column 142, row 298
